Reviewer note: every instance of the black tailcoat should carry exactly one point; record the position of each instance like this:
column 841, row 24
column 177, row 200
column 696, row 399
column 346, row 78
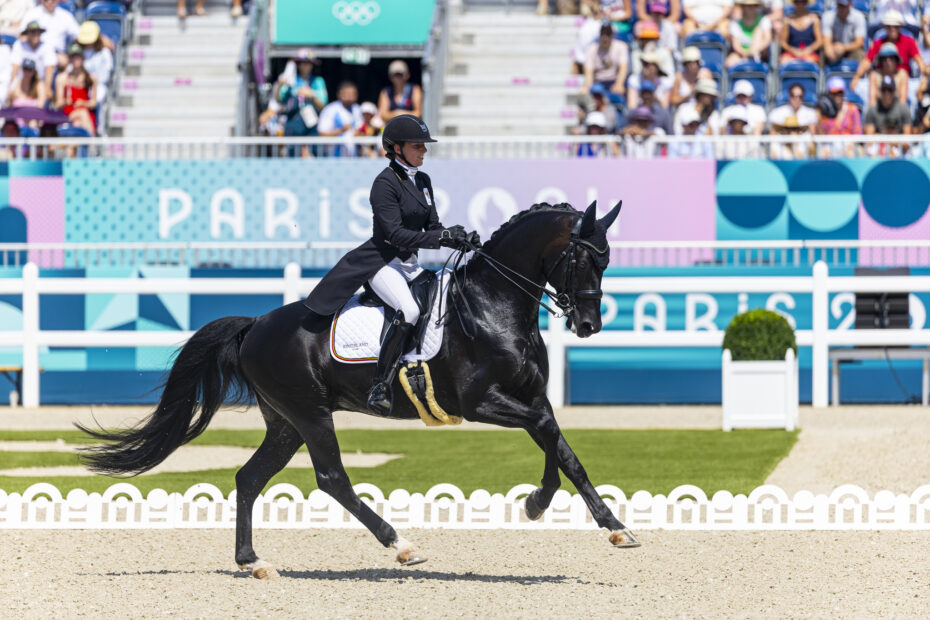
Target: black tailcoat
column 404, row 221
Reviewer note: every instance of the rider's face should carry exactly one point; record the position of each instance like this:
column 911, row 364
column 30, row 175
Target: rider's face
column 413, row 152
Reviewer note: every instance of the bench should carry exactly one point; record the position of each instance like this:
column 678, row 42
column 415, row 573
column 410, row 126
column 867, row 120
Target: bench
column 14, row 375
column 837, row 356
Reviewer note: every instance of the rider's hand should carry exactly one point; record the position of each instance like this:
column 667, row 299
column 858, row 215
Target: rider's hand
column 453, row 237
column 474, row 239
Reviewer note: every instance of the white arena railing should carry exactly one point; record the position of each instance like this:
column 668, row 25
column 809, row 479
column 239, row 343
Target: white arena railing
column 324, row 254
column 293, row 287
column 776, row 147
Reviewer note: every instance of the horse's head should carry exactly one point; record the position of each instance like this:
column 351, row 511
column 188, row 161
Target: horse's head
column 576, row 273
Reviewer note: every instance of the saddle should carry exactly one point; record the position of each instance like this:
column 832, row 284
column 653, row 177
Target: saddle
column 424, row 289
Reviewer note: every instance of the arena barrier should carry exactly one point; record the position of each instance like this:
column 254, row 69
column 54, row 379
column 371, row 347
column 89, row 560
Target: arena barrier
column 768, row 507
column 704, row 332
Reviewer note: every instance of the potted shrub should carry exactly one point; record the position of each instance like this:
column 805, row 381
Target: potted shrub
column 760, row 372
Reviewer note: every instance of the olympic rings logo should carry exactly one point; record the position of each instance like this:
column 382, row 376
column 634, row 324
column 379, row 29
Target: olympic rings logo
column 356, row 12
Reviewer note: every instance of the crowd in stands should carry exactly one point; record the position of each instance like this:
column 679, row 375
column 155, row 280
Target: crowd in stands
column 748, row 68
column 54, row 71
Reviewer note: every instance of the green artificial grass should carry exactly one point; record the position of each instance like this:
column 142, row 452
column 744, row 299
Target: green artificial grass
column 653, row 460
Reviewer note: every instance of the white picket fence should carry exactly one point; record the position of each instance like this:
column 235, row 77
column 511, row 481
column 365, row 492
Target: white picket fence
column 558, row 340
column 122, row 506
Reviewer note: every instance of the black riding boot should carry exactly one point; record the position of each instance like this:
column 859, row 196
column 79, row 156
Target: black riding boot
column 381, row 396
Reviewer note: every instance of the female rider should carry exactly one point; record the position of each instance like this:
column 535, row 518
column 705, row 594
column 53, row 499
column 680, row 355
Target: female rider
column 405, row 220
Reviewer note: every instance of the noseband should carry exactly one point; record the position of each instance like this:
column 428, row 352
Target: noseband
column 569, row 297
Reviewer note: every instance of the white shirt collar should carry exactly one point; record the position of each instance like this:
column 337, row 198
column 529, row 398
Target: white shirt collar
column 410, row 170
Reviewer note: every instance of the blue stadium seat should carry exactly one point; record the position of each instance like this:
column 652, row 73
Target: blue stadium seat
column 863, row 5
column 755, row 73
column 843, row 67
column 8, row 39
column 855, row 99
column 713, row 49
column 110, row 15
column 877, row 31
column 69, row 5
column 807, row 74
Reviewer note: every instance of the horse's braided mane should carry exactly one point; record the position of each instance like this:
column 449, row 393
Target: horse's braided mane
column 522, row 215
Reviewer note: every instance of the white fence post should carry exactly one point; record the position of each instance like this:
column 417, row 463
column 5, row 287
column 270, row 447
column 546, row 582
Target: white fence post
column 556, row 350
column 820, row 324
column 30, row 395
column 292, row 274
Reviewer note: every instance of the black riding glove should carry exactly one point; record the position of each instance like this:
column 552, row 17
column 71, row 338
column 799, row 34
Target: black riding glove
column 474, row 239
column 453, row 237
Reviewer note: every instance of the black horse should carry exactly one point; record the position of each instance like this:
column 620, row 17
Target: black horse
column 497, row 376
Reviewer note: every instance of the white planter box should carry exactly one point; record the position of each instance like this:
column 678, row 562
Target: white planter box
column 760, row 394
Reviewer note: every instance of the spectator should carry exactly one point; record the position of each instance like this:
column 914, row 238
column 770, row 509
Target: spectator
column 199, row 9
column 302, row 96
column 400, row 96
column 235, row 10
column 793, row 115
column 888, row 65
column 660, row 116
column 907, row 49
column 799, row 148
column 11, row 16
column 737, row 147
column 704, row 105
column 801, row 38
column 596, row 125
column 922, row 116
column 648, row 39
column 888, row 115
column 588, row 33
column 6, row 70
column 341, row 118
column 97, row 58
column 687, row 78
column 690, row 149
column 27, row 91
column 59, row 25
column 600, row 102
column 844, row 31
column 743, row 92
column 670, row 10
column 10, row 130
column 907, row 9
column 651, row 72
column 371, row 126
column 606, row 62
column 838, row 117
column 636, row 134
column 41, row 54
column 750, row 35
column 711, row 15
column 668, row 34
column 775, row 11
column 619, row 13
column 76, row 92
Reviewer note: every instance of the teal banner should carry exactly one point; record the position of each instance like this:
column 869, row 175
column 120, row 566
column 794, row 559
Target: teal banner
column 352, row 22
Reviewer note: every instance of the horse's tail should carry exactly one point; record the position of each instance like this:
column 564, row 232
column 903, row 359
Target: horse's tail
column 205, row 375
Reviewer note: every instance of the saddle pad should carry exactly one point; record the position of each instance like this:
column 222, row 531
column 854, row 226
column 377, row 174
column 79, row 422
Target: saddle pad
column 355, row 336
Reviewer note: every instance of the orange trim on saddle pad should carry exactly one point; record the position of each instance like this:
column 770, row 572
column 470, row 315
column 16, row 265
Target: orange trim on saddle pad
column 332, row 345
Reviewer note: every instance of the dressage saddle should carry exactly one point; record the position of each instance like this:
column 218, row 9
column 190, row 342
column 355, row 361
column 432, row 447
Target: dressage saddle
column 424, row 289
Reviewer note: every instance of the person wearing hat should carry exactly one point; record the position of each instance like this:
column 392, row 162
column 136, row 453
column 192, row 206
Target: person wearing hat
column 98, row 59
column 668, row 33
column 888, row 115
column 660, row 116
column 844, row 30
column 606, row 62
column 59, row 25
column 400, row 96
column 76, row 92
column 750, row 35
column 711, row 15
column 793, row 114
column 801, row 38
column 670, row 11
column 648, row 39
column 652, row 71
column 888, row 64
column 301, row 96
column 640, row 126
column 371, row 126
column 704, row 104
column 27, row 91
column 601, row 102
column 743, row 92
column 31, row 46
column 840, row 117
column 690, row 125
column 404, row 221
column 596, row 125
column 692, row 70
column 907, row 48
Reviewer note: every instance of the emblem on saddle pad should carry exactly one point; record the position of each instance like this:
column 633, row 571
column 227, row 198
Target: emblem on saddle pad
column 417, row 382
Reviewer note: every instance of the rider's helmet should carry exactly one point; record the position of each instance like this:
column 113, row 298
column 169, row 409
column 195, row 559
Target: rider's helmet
column 404, row 128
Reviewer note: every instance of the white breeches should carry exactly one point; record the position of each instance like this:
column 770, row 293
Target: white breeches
column 390, row 283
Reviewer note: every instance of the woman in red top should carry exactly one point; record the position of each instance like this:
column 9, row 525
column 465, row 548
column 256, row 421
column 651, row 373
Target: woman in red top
column 76, row 92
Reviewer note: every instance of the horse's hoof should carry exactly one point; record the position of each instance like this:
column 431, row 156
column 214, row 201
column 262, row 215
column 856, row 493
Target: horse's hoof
column 407, row 555
column 260, row 569
column 533, row 510
column 623, row 539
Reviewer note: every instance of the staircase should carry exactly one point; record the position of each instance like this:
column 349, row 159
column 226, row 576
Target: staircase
column 508, row 73
column 180, row 78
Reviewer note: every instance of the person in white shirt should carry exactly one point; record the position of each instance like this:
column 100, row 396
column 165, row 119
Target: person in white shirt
column 11, row 15
column 704, row 104
column 59, row 24
column 755, row 113
column 341, row 118
column 32, row 47
column 707, row 15
column 6, row 68
column 690, row 123
column 794, row 113
column 98, row 60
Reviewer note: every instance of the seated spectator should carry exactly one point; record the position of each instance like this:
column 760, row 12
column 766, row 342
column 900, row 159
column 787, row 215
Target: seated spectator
column 11, row 16
column 800, row 148
column 754, row 113
column 648, row 40
column 711, row 15
column 844, row 31
column 738, row 147
column 606, row 62
column 801, row 38
column 750, row 35
column 619, row 13
column 10, row 130
column 888, row 115
column 341, row 118
column 668, row 34
column 907, row 9
column 686, row 79
column 838, row 117
column 637, row 133
column 600, row 102
column 59, row 25
column 400, row 96
column 199, row 9
column 98, row 59
column 588, row 33
column 371, row 126
column 922, row 116
column 775, row 11
column 41, row 54
column 704, row 105
column 651, row 72
column 907, row 50
column 690, row 149
column 794, row 114
column 596, row 125
column 660, row 116
column 671, row 12
column 76, row 92
column 888, row 65
column 6, row 70
column 27, row 91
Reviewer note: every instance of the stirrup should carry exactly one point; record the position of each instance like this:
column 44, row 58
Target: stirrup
column 381, row 398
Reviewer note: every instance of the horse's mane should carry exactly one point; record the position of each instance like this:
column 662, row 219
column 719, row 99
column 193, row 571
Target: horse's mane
column 541, row 207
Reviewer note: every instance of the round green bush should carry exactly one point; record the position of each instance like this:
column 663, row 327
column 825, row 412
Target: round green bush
column 759, row 335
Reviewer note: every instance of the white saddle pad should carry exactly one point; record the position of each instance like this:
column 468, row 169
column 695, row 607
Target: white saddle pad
column 356, row 332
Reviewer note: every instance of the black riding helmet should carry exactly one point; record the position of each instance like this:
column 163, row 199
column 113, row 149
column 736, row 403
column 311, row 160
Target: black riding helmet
column 403, row 128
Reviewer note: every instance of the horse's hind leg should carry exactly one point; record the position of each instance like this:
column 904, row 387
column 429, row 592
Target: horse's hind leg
column 280, row 443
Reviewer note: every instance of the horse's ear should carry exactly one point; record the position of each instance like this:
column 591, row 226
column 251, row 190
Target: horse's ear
column 608, row 219
column 588, row 220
